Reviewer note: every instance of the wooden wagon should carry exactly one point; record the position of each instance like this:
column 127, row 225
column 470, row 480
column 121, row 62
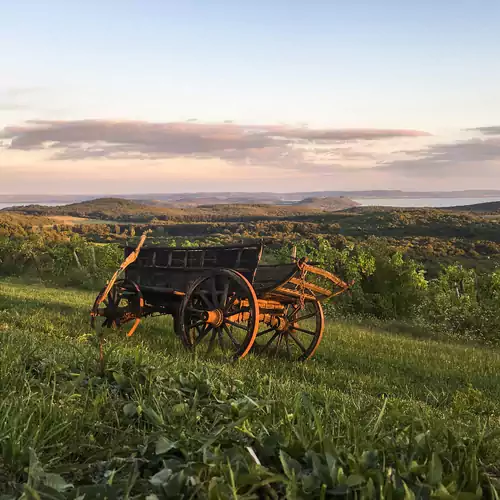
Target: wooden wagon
column 221, row 298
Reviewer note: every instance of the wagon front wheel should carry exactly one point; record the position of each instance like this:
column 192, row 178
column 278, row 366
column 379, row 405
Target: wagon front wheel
column 220, row 312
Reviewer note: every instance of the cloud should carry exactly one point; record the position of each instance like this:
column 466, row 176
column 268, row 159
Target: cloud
column 260, row 145
column 12, row 106
column 494, row 130
column 14, row 98
column 473, row 157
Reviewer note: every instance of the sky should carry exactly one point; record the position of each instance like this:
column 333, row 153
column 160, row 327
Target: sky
column 122, row 96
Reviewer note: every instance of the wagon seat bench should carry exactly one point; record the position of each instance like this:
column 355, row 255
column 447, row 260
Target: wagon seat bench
column 221, row 298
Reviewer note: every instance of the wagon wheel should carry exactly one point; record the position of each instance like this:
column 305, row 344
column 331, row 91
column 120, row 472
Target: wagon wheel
column 220, row 311
column 296, row 333
column 124, row 303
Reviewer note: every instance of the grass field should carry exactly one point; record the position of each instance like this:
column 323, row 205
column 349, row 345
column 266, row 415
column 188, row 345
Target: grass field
column 373, row 415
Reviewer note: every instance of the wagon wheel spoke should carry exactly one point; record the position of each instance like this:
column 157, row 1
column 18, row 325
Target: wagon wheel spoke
column 294, row 311
column 213, row 293
column 212, row 341
column 193, row 310
column 307, row 316
column 237, row 325
column 279, row 343
column 202, row 335
column 303, row 330
column 230, row 335
column 288, row 352
column 238, row 311
column 197, row 324
column 230, row 303
column 224, row 296
column 220, row 338
column 208, row 302
column 271, row 340
column 265, row 331
column 297, row 341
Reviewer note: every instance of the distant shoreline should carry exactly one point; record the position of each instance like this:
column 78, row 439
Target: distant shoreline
column 257, row 197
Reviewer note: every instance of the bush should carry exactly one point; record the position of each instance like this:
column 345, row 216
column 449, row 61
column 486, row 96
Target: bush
column 73, row 262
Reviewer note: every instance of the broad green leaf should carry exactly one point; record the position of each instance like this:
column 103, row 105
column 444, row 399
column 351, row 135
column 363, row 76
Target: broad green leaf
column 56, row 482
column 409, row 495
column 435, row 470
column 465, row 495
column 340, row 476
column 163, row 445
column 370, row 488
column 355, row 480
column 180, row 408
column 290, row 465
column 153, row 417
column 121, row 380
column 130, row 410
column 161, row 478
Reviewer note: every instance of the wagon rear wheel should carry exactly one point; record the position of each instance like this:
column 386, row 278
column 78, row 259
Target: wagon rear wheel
column 123, row 304
column 296, row 334
column 220, row 312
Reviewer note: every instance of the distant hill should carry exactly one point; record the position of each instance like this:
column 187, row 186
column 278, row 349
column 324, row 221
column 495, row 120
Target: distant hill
column 328, row 203
column 487, row 207
column 128, row 210
column 98, row 209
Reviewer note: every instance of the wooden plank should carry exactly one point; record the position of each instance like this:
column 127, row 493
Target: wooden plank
column 161, row 289
column 254, row 246
column 311, row 286
column 181, row 267
column 292, row 293
column 238, row 258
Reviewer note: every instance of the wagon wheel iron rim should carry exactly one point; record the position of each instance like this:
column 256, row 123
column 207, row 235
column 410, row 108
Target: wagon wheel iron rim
column 124, row 303
column 295, row 334
column 220, row 312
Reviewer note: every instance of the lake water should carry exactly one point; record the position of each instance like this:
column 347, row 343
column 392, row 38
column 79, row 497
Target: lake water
column 423, row 202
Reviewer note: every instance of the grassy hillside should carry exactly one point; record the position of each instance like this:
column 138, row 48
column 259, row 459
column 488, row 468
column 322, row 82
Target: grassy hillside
column 18, row 223
column 159, row 420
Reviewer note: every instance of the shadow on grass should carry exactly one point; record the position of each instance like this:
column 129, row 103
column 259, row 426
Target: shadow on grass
column 414, row 331
column 35, row 305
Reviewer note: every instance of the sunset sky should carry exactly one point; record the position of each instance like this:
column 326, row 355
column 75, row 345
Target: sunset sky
column 157, row 96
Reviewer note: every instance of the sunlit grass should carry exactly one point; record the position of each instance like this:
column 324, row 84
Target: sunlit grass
column 55, row 401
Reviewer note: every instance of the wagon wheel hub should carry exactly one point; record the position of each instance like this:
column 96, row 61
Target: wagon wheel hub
column 214, row 317
column 279, row 323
